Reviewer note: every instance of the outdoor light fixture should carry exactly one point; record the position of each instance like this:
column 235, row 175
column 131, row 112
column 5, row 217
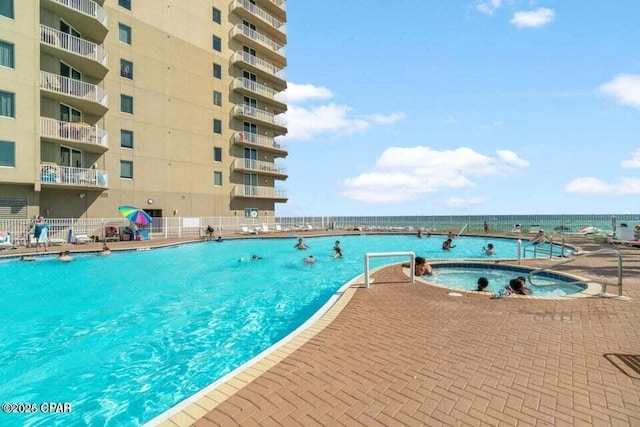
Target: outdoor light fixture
column 150, row 201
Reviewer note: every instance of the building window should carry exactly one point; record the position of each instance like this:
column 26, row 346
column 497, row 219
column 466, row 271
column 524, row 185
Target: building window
column 126, row 104
column 7, row 154
column 6, row 8
column 7, row 104
column 217, row 16
column 217, row 179
column 217, row 154
column 126, row 169
column 217, row 43
column 124, row 33
column 217, row 98
column 126, row 138
column 126, row 69
column 250, row 213
column 217, row 71
column 7, row 58
column 217, row 126
column 125, row 3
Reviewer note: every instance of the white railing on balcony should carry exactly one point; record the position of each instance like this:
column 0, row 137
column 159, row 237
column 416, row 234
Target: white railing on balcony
column 76, row 131
column 71, row 87
column 87, row 7
column 50, row 173
column 260, row 13
column 255, row 87
column 282, row 4
column 258, row 191
column 259, row 38
column 73, row 44
column 265, row 116
column 259, row 63
column 262, row 141
column 258, row 165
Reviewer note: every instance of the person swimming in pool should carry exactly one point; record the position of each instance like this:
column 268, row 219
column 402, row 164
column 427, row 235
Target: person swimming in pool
column 301, row 244
column 489, row 249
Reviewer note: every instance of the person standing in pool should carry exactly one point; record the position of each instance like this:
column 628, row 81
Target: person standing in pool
column 337, row 249
column 483, row 282
column 446, row 245
column 301, row 244
column 489, row 249
column 40, row 233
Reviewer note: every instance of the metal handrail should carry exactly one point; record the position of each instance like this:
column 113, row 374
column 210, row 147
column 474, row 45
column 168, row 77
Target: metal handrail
column 550, row 239
column 586, row 254
column 368, row 255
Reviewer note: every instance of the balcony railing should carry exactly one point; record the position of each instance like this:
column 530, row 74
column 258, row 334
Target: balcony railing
column 259, row 165
column 260, row 140
column 75, row 88
column 259, row 38
column 255, row 87
column 257, row 191
column 265, row 116
column 259, row 63
column 87, row 7
column 73, row 44
column 77, row 132
column 259, row 13
column 50, row 173
column 282, row 4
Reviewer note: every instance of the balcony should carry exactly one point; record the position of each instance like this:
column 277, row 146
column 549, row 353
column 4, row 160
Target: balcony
column 81, row 95
column 260, row 67
column 77, row 135
column 86, row 16
column 247, row 10
column 261, row 92
column 265, row 168
column 245, row 35
column 81, row 54
column 264, row 117
column 53, row 175
column 264, row 142
column 257, row 192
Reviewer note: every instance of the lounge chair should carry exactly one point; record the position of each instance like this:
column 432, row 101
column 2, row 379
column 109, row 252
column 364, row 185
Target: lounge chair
column 56, row 241
column 111, row 233
column 81, row 238
column 264, row 228
column 245, row 230
column 5, row 240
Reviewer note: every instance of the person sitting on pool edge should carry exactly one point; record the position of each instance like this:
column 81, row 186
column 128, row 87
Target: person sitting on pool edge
column 446, row 245
column 538, row 238
column 105, row 250
column 489, row 250
column 421, row 268
column 483, row 282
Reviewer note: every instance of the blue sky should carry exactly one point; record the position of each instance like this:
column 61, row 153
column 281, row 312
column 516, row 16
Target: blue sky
column 471, row 107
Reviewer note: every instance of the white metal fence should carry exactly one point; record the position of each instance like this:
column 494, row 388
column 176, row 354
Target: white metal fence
column 184, row 227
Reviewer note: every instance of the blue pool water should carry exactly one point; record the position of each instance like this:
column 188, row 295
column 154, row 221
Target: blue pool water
column 125, row 337
column 465, row 277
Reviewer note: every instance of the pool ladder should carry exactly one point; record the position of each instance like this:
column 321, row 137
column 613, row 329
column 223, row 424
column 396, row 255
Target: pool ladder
column 584, row 255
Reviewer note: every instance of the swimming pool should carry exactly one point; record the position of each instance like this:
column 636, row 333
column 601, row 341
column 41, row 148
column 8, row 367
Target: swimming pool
column 125, row 337
column 464, row 276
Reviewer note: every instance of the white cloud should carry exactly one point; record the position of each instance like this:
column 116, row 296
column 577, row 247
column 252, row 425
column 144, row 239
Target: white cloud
column 403, row 174
column 296, row 93
column 463, row 202
column 634, row 162
column 625, row 88
column 488, row 6
column 595, row 187
column 533, row 19
column 306, row 122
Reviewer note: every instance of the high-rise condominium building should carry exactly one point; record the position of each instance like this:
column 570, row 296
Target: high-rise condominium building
column 173, row 106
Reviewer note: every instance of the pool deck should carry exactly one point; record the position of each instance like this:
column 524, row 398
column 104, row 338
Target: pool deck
column 409, row 354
